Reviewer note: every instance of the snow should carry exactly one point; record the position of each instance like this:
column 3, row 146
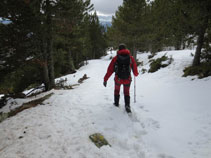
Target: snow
column 4, row 21
column 171, row 118
column 15, row 103
column 1, row 95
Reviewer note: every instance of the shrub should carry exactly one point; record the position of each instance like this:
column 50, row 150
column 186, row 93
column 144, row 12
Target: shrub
column 20, row 79
column 157, row 64
column 139, row 63
column 203, row 70
column 151, row 56
column 143, row 70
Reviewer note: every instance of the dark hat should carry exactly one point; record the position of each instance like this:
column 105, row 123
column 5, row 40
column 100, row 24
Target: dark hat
column 122, row 46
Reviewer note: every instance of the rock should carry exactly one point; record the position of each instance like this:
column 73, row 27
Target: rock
column 99, row 140
column 83, row 78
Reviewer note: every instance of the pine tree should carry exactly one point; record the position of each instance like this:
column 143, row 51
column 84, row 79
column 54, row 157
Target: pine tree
column 128, row 24
column 16, row 43
column 96, row 37
column 199, row 14
column 46, row 39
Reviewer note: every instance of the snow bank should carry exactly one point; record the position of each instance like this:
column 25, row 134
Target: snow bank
column 180, row 107
column 1, row 95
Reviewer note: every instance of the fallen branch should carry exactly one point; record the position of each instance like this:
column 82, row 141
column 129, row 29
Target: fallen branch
column 39, row 87
column 23, row 107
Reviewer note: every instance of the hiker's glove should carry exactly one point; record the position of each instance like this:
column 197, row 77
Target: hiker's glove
column 105, row 83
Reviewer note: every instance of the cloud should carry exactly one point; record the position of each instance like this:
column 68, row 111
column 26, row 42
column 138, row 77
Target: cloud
column 103, row 17
column 106, row 6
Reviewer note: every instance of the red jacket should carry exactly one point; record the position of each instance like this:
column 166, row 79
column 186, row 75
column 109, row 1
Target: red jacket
column 112, row 65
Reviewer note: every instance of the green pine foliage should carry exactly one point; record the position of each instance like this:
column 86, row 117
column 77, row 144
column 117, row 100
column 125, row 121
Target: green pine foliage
column 46, row 39
column 161, row 24
column 158, row 63
column 128, row 25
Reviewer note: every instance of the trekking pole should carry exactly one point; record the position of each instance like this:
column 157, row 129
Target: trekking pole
column 134, row 89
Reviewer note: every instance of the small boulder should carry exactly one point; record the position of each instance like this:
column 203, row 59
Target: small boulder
column 99, row 140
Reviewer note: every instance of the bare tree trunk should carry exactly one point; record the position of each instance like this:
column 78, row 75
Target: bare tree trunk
column 134, row 51
column 45, row 67
column 71, row 65
column 46, row 77
column 178, row 45
column 49, row 48
column 200, row 41
column 93, row 55
column 51, row 65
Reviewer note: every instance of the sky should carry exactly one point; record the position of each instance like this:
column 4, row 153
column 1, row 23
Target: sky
column 106, row 7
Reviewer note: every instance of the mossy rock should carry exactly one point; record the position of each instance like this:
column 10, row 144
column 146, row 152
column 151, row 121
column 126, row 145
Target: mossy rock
column 99, row 140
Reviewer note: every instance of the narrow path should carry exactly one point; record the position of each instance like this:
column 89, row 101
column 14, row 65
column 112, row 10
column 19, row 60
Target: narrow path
column 62, row 126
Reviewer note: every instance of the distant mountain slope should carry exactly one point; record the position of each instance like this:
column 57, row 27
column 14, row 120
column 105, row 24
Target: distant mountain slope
column 105, row 20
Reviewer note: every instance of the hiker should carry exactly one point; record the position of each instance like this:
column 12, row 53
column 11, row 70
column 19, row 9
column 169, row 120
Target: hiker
column 122, row 64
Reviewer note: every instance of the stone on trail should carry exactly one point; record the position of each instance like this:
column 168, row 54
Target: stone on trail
column 99, row 140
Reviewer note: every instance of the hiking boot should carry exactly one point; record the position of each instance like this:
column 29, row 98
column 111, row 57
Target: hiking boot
column 127, row 104
column 127, row 108
column 116, row 100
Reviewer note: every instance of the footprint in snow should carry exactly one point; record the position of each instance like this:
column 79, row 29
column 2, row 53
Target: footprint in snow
column 164, row 156
column 150, row 123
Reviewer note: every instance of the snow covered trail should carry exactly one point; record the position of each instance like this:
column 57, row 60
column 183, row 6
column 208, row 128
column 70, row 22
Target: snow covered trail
column 62, row 126
column 171, row 118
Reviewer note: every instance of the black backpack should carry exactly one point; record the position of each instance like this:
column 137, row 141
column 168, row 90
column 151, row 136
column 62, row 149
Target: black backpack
column 122, row 66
